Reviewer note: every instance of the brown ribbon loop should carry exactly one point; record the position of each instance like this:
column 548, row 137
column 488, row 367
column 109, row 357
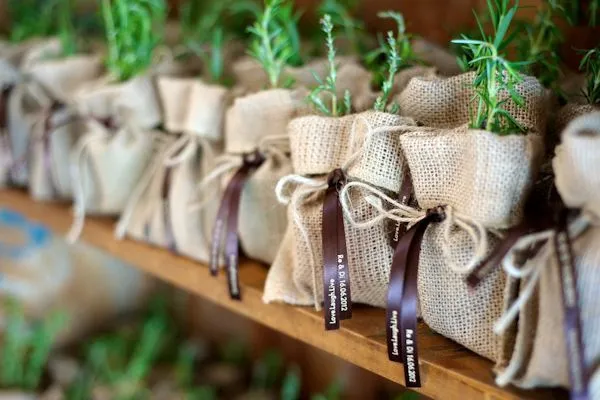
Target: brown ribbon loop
column 402, row 299
column 227, row 219
column 405, row 197
column 578, row 374
column 337, row 302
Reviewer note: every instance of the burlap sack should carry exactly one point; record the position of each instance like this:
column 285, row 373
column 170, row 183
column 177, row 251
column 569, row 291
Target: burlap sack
column 160, row 209
column 368, row 144
column 442, row 59
column 404, row 76
column 482, row 179
column 448, row 102
column 56, row 126
column 104, row 99
column 539, row 353
column 570, row 112
column 44, row 274
column 258, row 122
column 106, row 165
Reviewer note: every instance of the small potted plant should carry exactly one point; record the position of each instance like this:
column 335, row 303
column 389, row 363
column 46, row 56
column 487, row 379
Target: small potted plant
column 329, row 150
column 40, row 122
column 194, row 108
column 120, row 109
column 25, row 352
column 256, row 145
column 471, row 167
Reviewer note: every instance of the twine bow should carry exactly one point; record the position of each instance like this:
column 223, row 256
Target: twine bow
column 406, row 214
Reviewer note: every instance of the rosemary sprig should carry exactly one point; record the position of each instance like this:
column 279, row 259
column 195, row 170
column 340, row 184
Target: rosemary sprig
column 133, row 30
column 494, row 74
column 590, row 64
column 393, row 63
column 407, row 57
column 204, row 36
column 328, row 86
column 271, row 42
column 540, row 46
column 341, row 15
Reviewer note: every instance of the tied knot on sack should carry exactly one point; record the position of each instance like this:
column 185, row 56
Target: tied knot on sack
column 97, row 131
column 445, row 215
column 272, row 146
column 336, row 179
column 171, row 156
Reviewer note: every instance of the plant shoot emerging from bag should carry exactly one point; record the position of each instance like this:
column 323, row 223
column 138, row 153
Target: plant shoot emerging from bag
column 43, row 18
column 133, row 30
column 25, row 350
column 328, row 87
column 496, row 77
column 539, row 45
column 393, row 62
column 590, row 64
column 341, row 15
column 272, row 45
column 404, row 50
column 204, row 37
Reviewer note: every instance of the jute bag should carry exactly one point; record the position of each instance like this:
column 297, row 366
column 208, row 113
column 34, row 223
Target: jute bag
column 44, row 274
column 105, row 164
column 570, row 112
column 160, row 210
column 116, row 146
column 366, row 146
column 56, row 125
column 447, row 102
column 541, row 351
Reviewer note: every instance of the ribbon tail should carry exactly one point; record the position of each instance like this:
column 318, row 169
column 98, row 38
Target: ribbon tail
column 343, row 269
column 572, row 322
column 331, row 283
column 232, row 244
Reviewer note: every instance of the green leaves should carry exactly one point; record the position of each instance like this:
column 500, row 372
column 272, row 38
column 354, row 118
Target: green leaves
column 496, row 77
column 42, row 18
column 590, row 64
column 378, row 59
column 341, row 15
column 274, row 37
column 25, row 349
column 133, row 30
column 328, row 87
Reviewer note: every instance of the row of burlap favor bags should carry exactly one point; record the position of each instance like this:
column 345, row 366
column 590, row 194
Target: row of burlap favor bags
column 535, row 341
column 481, row 181
column 366, row 147
column 161, row 209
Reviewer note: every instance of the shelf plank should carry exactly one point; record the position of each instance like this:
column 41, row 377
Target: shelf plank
column 448, row 370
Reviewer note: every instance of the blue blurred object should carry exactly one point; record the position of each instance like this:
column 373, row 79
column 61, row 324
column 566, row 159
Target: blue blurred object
column 35, row 235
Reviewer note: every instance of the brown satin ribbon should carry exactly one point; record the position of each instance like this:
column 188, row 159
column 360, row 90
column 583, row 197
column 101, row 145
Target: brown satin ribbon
column 337, row 299
column 4, row 95
column 578, row 374
column 227, row 220
column 166, row 205
column 401, row 313
column 47, row 146
column 405, row 197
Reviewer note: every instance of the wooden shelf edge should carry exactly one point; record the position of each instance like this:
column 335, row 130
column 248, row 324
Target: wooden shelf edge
column 448, row 371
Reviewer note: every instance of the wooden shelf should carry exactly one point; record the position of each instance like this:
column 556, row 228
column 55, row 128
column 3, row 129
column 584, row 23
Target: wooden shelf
column 448, row 370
